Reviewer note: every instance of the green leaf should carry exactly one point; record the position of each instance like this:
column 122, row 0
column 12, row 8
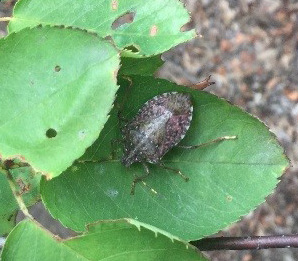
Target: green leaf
column 6, row 223
column 56, row 89
column 155, row 27
column 140, row 66
column 113, row 240
column 27, row 185
column 8, row 205
column 227, row 179
column 29, row 241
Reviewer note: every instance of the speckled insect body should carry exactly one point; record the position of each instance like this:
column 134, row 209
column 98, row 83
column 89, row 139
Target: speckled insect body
column 159, row 125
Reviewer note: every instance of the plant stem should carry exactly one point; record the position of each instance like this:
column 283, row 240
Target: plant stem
column 18, row 198
column 5, row 19
column 246, row 243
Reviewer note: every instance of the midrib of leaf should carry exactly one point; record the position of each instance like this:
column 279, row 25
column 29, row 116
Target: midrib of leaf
column 186, row 161
column 136, row 251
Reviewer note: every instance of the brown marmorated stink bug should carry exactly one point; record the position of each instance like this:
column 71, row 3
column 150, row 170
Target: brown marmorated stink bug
column 158, row 126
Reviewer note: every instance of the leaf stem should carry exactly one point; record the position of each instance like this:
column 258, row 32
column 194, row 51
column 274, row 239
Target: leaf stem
column 246, row 243
column 17, row 196
column 5, row 19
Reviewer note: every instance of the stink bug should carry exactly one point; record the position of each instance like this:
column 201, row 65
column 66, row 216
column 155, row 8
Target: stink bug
column 158, row 126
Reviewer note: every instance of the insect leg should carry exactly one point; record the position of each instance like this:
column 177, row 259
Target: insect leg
column 177, row 171
column 208, row 143
column 141, row 179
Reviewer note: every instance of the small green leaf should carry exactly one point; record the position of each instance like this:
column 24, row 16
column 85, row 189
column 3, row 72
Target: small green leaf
column 113, row 240
column 56, row 89
column 8, row 205
column 155, row 27
column 6, row 223
column 227, row 179
column 140, row 66
column 27, row 185
column 29, row 241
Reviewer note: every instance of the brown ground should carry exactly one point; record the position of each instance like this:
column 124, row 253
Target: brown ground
column 251, row 50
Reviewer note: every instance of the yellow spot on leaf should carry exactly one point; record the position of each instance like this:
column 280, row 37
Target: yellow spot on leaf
column 114, row 5
column 229, row 198
column 153, row 30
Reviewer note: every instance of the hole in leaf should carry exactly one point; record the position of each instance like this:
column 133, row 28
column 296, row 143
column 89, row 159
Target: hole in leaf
column 126, row 18
column 51, row 133
column 132, row 48
column 57, row 68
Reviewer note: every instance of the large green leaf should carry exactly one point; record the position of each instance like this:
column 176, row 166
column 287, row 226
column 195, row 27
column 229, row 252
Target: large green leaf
column 227, row 179
column 113, row 240
column 155, row 27
column 56, row 89
column 27, row 185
